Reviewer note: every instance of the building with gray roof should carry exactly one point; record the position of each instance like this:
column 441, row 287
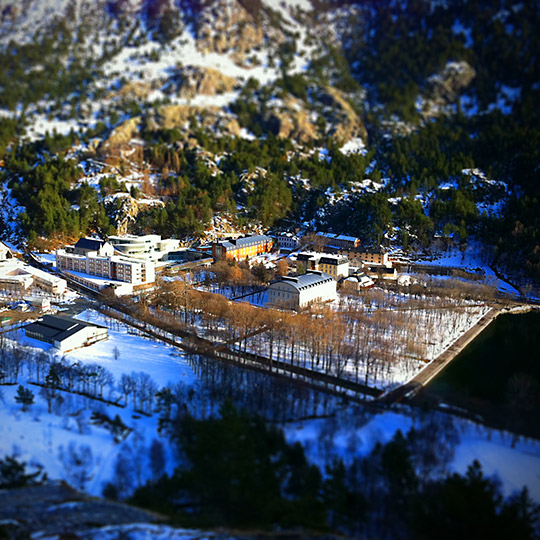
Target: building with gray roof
column 296, row 292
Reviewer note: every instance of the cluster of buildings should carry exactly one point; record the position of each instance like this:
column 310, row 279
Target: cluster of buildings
column 338, row 258
column 19, row 279
column 123, row 263
column 25, row 281
column 128, row 263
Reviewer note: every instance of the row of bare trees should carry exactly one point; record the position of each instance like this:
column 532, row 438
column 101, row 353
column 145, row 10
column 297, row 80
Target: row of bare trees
column 350, row 343
column 373, row 338
column 89, row 379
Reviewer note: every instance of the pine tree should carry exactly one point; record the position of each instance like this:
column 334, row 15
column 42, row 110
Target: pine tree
column 25, row 397
column 13, row 473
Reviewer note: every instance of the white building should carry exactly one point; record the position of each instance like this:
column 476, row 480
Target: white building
column 103, row 263
column 300, row 291
column 374, row 256
column 65, row 333
column 15, row 276
column 335, row 265
column 149, row 247
column 119, row 288
column 287, row 240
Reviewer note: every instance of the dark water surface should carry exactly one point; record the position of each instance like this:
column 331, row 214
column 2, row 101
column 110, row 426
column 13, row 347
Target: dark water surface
column 509, row 347
column 498, row 375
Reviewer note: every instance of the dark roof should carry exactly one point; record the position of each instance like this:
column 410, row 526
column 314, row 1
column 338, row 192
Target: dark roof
column 306, row 256
column 346, row 238
column 382, row 269
column 58, row 328
column 332, row 260
column 92, row 244
column 342, row 237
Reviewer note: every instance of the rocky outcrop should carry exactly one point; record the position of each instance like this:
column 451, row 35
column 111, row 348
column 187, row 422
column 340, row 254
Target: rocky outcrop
column 227, row 27
column 290, row 119
column 443, row 89
column 247, row 181
column 133, row 91
column 193, row 81
column 345, row 123
column 123, row 209
column 121, row 135
column 181, row 116
column 451, row 80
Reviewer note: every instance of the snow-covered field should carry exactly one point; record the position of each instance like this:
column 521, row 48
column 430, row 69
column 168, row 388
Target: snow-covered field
column 70, row 447
column 59, row 439
column 165, row 364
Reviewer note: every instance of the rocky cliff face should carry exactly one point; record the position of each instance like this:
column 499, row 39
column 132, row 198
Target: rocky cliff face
column 346, row 123
column 293, row 118
column 200, row 81
column 124, row 211
column 290, row 119
column 227, row 27
column 182, row 117
column 121, row 136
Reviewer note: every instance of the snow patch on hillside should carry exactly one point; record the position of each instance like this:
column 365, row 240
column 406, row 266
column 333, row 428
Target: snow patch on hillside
column 516, row 461
column 354, row 146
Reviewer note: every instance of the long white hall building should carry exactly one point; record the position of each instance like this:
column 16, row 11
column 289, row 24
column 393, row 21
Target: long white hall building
column 296, row 292
column 99, row 258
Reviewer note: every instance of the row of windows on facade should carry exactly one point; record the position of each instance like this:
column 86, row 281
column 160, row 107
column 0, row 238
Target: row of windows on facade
column 39, row 337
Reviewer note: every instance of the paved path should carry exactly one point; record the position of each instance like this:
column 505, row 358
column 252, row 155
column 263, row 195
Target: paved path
column 436, row 366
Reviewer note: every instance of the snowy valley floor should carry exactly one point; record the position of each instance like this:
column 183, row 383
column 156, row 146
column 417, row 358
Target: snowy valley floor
column 70, row 447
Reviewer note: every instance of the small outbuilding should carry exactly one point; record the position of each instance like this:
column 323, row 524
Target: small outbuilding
column 357, row 282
